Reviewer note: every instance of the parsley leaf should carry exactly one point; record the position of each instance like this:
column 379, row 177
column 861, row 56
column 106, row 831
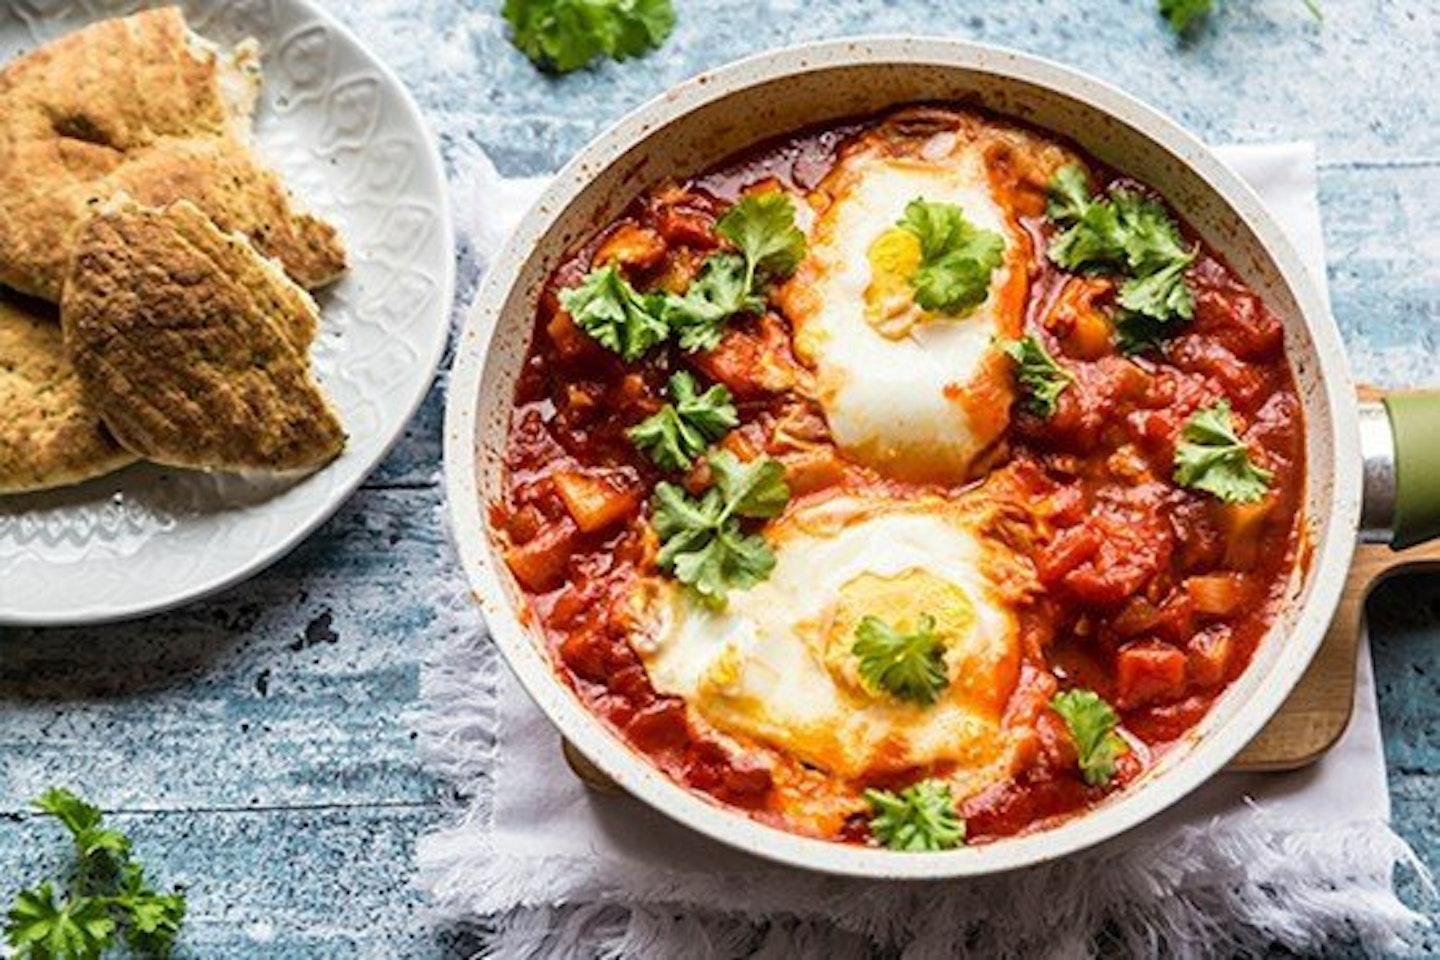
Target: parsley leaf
column 1070, row 195
column 762, row 227
column 681, row 430
column 565, row 35
column 1210, row 457
column 39, row 928
column 956, row 257
column 920, row 817
column 1162, row 296
column 154, row 918
column 702, row 543
column 108, row 895
column 719, row 292
column 1125, row 233
column 620, row 318
column 908, row 665
column 1092, row 724
column 1043, row 379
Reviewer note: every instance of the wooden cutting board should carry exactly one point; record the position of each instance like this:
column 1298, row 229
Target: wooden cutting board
column 1317, row 712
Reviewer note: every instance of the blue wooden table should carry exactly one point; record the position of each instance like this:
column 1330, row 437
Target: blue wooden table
column 259, row 745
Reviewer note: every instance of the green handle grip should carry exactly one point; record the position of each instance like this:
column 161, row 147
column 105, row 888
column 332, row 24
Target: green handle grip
column 1415, row 424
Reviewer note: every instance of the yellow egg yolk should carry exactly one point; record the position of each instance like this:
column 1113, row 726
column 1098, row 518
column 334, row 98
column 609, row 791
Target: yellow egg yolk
column 901, row 601
column 890, row 306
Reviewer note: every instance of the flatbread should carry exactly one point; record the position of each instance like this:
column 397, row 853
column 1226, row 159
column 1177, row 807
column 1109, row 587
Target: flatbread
column 139, row 105
column 193, row 345
column 49, row 435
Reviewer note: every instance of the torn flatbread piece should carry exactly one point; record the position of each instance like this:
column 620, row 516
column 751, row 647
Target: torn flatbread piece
column 50, row 436
column 139, row 105
column 193, row 345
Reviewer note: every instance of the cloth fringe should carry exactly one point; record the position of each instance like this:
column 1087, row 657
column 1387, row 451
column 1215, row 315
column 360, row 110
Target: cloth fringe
column 1196, row 893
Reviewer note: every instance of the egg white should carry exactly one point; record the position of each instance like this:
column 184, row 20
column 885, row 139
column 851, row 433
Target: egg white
column 765, row 667
column 928, row 404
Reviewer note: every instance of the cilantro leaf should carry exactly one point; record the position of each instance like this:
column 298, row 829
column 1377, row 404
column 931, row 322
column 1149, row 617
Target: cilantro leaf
column 1149, row 236
column 565, row 35
column 702, row 543
column 1126, row 234
column 762, row 227
column 920, row 817
column 1163, row 295
column 680, row 430
column 1069, row 194
column 1092, row 724
column 617, row 316
column 908, row 665
column 1210, row 457
column 1042, row 378
column 39, row 928
column 1092, row 243
column 755, row 489
column 957, row 258
column 721, row 291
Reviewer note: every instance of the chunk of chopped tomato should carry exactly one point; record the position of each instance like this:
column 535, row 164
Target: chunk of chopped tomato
column 1149, row 672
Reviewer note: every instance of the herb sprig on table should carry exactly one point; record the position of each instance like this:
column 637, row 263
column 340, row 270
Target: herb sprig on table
column 1181, row 15
column 565, row 35
column 105, row 900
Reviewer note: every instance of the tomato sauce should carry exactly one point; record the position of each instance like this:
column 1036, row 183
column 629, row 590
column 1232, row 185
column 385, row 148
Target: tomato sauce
column 1155, row 596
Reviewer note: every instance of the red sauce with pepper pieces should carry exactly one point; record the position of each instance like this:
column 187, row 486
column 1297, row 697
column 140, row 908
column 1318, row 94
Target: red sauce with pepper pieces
column 1155, row 596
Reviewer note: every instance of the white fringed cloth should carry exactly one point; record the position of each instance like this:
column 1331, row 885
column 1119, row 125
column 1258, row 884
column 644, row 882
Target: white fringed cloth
column 1303, row 860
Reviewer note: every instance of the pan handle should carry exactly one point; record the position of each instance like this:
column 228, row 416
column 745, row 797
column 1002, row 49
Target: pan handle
column 1400, row 441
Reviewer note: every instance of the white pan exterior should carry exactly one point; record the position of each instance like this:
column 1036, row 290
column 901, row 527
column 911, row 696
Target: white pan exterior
column 716, row 114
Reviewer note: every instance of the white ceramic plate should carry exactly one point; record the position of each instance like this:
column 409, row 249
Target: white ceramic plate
column 353, row 147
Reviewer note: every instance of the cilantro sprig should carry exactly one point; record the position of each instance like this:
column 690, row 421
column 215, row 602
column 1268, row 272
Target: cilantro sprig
column 1092, row 724
column 921, row 817
column 679, row 432
column 1212, row 458
column 907, row 664
column 702, row 542
column 1129, row 235
column 615, row 314
column 956, row 257
column 565, row 35
column 768, row 247
column 108, row 894
column 1042, row 378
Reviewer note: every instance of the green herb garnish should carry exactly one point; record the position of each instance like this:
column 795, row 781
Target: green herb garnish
column 907, row 664
column 615, row 314
column 565, row 35
column 680, row 431
column 920, row 817
column 107, row 895
column 702, row 543
column 1210, row 457
column 1129, row 235
column 1041, row 377
column 1092, row 724
column 956, row 257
